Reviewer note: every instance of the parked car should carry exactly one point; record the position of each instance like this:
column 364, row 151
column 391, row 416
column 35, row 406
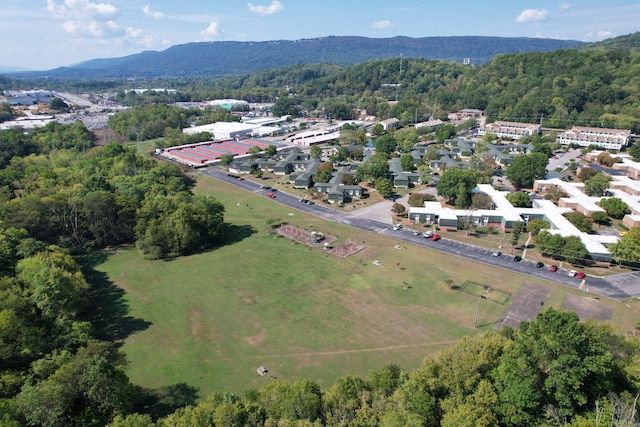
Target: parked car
column 435, row 237
column 517, row 258
column 273, row 196
column 427, row 234
column 539, row 264
column 572, row 273
column 397, row 227
column 311, row 202
column 496, row 253
column 580, row 275
column 553, row 268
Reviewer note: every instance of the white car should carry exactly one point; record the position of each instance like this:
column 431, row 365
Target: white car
column 572, row 273
column 427, row 234
column 397, row 227
column 496, row 253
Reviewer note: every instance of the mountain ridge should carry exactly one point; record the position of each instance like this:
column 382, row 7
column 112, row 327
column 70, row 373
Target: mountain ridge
column 236, row 57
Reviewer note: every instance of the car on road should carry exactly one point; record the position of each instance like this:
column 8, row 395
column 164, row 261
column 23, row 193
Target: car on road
column 427, row 234
column 397, row 227
column 304, row 201
column 553, row 268
column 539, row 264
column 435, row 237
column 311, row 202
column 572, row 273
column 496, row 253
column 517, row 258
column 273, row 196
column 580, row 275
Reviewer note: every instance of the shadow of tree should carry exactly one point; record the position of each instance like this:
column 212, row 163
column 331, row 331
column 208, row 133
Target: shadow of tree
column 109, row 310
column 236, row 233
column 165, row 400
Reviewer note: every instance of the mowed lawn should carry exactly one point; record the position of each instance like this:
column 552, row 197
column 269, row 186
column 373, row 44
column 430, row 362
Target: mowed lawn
column 262, row 299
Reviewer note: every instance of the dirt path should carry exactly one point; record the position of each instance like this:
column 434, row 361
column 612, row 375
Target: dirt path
column 335, row 352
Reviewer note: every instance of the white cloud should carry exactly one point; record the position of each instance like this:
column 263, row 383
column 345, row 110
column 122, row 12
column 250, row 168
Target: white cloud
column 275, row 7
column 598, row 35
column 152, row 13
column 212, row 31
column 382, row 25
column 85, row 19
column 533, row 15
column 566, row 6
column 102, row 11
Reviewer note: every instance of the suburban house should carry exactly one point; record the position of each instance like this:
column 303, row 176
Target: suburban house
column 336, row 191
column 400, row 178
column 609, row 139
column 431, row 124
column 511, row 130
column 467, row 113
column 390, row 124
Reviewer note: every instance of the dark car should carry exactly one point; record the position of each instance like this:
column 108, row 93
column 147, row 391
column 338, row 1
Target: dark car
column 517, row 258
column 539, row 264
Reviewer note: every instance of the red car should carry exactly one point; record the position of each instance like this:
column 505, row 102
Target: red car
column 273, row 196
column 580, row 275
column 435, row 237
column 553, row 268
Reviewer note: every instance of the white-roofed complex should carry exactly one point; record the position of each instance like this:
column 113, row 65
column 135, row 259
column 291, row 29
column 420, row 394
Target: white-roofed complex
column 222, row 130
column 609, row 139
column 511, row 130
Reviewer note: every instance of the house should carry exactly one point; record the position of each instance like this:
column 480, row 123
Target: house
column 609, row 139
column 390, row 124
column 467, row 113
column 513, row 130
column 338, row 192
column 431, row 124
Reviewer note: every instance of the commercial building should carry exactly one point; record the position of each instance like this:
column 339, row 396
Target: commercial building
column 222, row 130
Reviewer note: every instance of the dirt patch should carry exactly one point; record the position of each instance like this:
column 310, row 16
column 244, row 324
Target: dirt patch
column 525, row 305
column 309, row 238
column 346, row 249
column 255, row 340
column 587, row 308
column 246, row 298
column 195, row 324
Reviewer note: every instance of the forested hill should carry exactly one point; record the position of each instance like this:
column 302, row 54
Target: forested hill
column 232, row 58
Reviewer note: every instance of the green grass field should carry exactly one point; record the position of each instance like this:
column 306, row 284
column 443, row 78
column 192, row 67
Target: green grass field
column 261, row 299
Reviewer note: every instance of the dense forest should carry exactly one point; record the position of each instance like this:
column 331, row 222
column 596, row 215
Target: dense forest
column 223, row 58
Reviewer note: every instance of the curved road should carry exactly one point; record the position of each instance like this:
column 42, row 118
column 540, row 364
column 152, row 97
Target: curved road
column 618, row 287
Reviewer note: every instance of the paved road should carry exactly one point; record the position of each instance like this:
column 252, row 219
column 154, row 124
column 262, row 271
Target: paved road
column 619, row 286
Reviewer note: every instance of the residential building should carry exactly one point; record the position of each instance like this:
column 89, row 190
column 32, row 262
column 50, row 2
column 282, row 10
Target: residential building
column 609, row 139
column 511, row 130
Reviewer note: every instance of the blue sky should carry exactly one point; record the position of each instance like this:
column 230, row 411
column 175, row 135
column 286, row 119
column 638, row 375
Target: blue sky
column 43, row 34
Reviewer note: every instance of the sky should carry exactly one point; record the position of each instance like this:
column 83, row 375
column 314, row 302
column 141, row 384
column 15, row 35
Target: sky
column 45, row 34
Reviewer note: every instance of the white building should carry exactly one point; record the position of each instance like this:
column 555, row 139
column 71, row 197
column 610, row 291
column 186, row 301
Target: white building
column 609, row 139
column 28, row 97
column 222, row 130
column 511, row 130
column 31, row 122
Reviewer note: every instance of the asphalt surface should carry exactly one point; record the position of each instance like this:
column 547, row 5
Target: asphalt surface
column 618, row 287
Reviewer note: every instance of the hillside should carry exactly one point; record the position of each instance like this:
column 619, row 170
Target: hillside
column 233, row 58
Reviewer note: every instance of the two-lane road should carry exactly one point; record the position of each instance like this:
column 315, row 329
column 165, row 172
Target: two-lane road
column 614, row 287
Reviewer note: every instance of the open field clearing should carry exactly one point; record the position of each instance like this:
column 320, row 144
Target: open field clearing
column 209, row 320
